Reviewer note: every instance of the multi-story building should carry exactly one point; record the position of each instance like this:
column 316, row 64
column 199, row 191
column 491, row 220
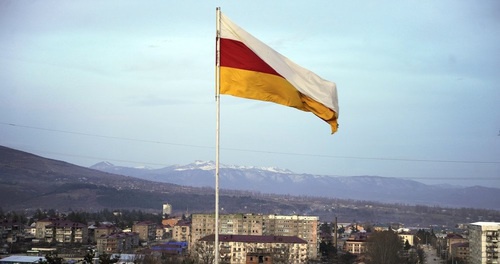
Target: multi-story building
column 117, row 242
column 61, row 230
column 146, row 230
column 40, row 227
column 102, row 230
column 460, row 251
column 356, row 243
column 201, row 225
column 237, row 249
column 182, row 232
column 452, row 239
column 167, row 210
column 10, row 230
column 236, row 224
column 304, row 227
column 483, row 242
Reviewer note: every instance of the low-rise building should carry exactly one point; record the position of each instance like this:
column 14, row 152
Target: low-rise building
column 356, row 243
column 405, row 236
column 22, row 260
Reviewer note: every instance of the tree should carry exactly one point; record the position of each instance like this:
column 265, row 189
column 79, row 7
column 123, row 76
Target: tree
column 328, row 251
column 383, row 248
column 203, row 254
column 421, row 255
column 51, row 258
column 89, row 257
column 346, row 258
column 407, row 245
column 105, row 258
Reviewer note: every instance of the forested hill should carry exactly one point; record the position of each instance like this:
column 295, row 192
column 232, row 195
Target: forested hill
column 29, row 182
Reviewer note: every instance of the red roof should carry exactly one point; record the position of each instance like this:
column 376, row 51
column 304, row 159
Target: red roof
column 254, row 239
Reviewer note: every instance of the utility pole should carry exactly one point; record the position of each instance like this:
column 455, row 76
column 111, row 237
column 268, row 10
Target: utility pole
column 335, row 235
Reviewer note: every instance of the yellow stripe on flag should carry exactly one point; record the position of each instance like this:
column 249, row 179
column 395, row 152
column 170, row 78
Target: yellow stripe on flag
column 271, row 88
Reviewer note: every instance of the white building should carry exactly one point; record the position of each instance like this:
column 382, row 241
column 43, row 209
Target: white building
column 167, row 210
column 483, row 242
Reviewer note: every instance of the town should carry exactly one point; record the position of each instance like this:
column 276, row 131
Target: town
column 138, row 237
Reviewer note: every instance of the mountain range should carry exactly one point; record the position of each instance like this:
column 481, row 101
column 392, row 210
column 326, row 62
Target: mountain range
column 29, row 182
column 285, row 182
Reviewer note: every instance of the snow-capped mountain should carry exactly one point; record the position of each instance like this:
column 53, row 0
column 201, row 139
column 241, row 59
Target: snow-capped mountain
column 282, row 181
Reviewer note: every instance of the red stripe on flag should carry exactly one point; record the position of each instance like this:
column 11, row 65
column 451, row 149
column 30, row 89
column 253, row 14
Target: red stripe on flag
column 235, row 54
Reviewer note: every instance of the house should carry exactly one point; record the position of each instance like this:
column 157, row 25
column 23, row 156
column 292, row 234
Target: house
column 170, row 221
column 356, row 243
column 258, row 258
column 405, row 236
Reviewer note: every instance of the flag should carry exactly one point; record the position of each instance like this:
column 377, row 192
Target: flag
column 251, row 69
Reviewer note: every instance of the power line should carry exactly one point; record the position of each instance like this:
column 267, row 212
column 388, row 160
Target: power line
column 250, row 150
column 161, row 164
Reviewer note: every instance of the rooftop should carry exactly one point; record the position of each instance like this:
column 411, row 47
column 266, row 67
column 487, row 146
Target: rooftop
column 254, row 239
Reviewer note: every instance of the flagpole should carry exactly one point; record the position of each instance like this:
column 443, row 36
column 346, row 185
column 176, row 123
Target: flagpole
column 217, row 135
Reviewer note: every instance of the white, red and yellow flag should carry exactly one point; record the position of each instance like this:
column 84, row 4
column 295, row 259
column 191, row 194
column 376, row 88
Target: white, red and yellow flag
column 251, row 69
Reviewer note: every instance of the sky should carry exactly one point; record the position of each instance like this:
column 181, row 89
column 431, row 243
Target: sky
column 133, row 83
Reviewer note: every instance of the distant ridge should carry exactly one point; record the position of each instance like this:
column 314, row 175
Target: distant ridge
column 282, row 181
column 29, row 182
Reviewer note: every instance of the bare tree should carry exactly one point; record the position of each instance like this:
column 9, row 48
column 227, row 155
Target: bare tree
column 384, row 248
column 203, row 254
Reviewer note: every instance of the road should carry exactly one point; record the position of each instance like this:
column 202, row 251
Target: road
column 430, row 255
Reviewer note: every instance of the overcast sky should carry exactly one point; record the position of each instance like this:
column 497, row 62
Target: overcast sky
column 132, row 82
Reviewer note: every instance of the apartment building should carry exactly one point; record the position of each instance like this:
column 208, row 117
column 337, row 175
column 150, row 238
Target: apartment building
column 101, row 230
column 61, row 230
column 146, row 230
column 237, row 249
column 182, row 232
column 237, row 224
column 202, row 225
column 451, row 240
column 303, row 227
column 460, row 252
column 117, row 242
column 483, row 242
column 10, row 230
